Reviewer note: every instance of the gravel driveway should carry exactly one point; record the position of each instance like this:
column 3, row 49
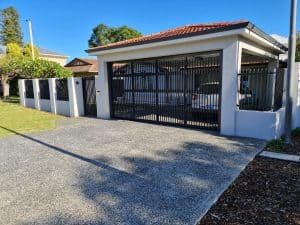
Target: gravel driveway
column 91, row 171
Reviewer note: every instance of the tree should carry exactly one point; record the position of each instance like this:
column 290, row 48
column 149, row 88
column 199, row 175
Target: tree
column 40, row 68
column 10, row 67
column 28, row 53
column 10, row 29
column 298, row 47
column 13, row 49
column 103, row 35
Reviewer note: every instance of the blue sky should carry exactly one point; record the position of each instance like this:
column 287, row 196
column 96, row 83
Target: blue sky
column 65, row 26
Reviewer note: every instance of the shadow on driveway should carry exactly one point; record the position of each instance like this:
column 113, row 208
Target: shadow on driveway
column 173, row 186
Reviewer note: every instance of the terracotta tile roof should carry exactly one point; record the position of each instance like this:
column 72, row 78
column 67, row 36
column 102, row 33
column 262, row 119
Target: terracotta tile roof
column 89, row 65
column 184, row 31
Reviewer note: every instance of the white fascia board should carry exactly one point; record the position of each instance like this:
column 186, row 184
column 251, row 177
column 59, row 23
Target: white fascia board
column 260, row 40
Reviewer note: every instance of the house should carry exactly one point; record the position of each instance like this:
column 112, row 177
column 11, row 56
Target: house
column 222, row 76
column 82, row 67
column 52, row 56
column 44, row 54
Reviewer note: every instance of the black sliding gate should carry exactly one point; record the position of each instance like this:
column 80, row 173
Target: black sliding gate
column 181, row 90
column 89, row 96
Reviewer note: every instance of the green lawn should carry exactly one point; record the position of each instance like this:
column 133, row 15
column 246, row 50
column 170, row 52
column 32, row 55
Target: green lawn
column 17, row 119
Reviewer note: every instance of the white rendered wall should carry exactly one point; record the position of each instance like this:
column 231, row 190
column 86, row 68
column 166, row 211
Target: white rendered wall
column 296, row 90
column 29, row 102
column 63, row 108
column 102, row 91
column 75, row 96
column 231, row 67
column 36, row 92
column 45, row 105
column 21, row 85
column 52, row 89
column 261, row 125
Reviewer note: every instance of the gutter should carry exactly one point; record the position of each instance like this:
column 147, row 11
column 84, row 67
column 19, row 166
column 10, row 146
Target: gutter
column 265, row 36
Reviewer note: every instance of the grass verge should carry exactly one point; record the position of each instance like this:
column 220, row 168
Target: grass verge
column 15, row 118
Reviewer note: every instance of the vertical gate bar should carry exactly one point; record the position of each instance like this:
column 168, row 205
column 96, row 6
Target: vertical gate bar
column 132, row 89
column 185, row 73
column 156, row 89
column 110, row 84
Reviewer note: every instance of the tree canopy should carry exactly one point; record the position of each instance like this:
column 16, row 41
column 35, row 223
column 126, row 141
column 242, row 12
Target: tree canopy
column 40, row 68
column 27, row 51
column 10, row 29
column 103, row 34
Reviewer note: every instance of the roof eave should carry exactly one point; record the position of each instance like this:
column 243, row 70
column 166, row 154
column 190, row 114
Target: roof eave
column 211, row 31
column 267, row 37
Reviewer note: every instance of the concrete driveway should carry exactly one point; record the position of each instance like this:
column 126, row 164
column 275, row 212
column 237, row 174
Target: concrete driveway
column 91, row 171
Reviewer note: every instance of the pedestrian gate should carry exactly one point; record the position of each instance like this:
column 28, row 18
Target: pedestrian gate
column 181, row 90
column 89, row 96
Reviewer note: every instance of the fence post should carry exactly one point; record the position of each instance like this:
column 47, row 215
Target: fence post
column 296, row 95
column 75, row 96
column 36, row 93
column 52, row 89
column 21, row 85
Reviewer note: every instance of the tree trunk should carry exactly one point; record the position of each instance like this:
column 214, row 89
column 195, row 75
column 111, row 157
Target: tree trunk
column 5, row 88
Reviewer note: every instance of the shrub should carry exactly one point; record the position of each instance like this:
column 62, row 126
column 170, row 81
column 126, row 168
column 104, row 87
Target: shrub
column 43, row 69
column 296, row 132
column 275, row 145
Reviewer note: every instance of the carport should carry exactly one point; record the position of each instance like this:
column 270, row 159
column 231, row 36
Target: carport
column 194, row 76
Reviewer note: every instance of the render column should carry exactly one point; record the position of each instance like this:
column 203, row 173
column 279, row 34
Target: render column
column 52, row 89
column 21, row 85
column 75, row 96
column 36, row 93
column 102, row 91
column 230, row 68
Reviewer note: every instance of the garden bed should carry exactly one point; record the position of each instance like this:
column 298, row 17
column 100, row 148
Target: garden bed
column 267, row 192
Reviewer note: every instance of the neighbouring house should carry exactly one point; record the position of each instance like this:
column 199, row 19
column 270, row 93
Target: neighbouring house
column 222, row 76
column 52, row 56
column 43, row 54
column 82, row 67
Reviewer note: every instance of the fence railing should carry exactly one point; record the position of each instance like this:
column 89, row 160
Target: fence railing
column 260, row 90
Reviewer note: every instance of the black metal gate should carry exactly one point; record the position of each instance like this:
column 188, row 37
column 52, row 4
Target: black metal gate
column 89, row 96
column 181, row 90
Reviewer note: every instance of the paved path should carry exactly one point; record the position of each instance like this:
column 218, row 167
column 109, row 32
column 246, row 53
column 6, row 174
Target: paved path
column 91, row 171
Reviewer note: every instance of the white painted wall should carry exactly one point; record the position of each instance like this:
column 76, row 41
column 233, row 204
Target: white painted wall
column 21, row 85
column 261, row 125
column 52, row 89
column 296, row 90
column 63, row 108
column 45, row 105
column 74, row 107
column 102, row 91
column 29, row 102
column 231, row 66
column 36, row 92
column 75, row 96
